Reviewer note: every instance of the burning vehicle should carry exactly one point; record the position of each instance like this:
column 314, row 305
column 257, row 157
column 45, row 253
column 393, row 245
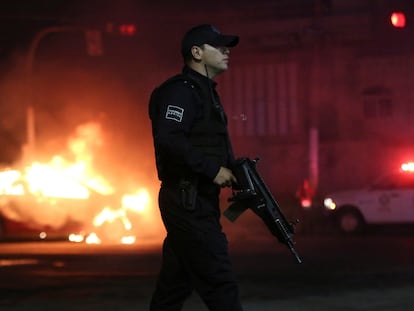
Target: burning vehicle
column 22, row 209
column 69, row 200
column 42, row 204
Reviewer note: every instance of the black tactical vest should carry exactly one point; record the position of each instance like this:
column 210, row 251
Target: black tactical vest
column 208, row 135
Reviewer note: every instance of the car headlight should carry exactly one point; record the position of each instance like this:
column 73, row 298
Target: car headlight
column 329, row 204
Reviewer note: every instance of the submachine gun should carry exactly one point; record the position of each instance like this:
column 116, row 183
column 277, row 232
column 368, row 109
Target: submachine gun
column 251, row 192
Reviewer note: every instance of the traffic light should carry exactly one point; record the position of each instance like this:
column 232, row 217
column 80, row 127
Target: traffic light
column 127, row 30
column 398, row 19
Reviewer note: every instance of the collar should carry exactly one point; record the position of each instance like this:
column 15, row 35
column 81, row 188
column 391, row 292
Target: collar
column 199, row 77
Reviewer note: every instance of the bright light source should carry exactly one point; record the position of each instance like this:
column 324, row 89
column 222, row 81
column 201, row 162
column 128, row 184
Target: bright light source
column 407, row 167
column 93, row 239
column 306, row 203
column 398, row 19
column 73, row 237
column 329, row 204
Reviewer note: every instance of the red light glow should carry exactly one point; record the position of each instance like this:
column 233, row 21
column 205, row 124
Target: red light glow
column 127, row 29
column 398, row 19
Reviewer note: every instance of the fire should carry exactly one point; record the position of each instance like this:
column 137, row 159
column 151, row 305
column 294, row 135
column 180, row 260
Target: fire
column 55, row 179
column 136, row 202
column 7, row 183
column 74, row 190
column 93, row 239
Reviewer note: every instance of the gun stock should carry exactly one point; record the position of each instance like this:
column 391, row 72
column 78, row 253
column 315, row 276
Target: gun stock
column 251, row 192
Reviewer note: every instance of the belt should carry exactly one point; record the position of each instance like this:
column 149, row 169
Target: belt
column 204, row 184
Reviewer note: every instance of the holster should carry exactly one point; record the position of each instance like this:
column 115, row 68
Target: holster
column 188, row 191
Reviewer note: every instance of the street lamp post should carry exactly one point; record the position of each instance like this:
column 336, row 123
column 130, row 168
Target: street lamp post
column 316, row 95
column 29, row 149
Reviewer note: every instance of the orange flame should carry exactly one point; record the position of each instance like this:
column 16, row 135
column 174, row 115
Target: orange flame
column 61, row 179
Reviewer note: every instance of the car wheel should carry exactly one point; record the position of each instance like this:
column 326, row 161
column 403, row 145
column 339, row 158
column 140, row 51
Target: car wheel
column 350, row 221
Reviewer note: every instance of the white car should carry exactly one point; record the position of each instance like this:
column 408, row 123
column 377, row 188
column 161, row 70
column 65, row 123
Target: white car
column 389, row 200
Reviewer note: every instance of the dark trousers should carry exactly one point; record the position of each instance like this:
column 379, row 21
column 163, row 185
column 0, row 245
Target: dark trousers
column 195, row 256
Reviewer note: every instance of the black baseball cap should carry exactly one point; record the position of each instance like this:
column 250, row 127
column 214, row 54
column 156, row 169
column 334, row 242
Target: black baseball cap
column 206, row 34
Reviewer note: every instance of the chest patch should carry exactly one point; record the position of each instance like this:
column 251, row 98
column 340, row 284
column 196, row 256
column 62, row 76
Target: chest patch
column 174, row 113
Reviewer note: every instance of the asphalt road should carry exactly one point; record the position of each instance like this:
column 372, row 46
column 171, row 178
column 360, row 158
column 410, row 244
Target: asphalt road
column 372, row 272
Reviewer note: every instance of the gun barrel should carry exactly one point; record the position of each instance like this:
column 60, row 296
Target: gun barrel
column 293, row 250
column 287, row 239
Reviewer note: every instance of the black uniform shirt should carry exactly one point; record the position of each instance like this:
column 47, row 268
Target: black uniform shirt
column 177, row 110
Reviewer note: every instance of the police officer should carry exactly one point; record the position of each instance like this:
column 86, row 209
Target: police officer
column 193, row 155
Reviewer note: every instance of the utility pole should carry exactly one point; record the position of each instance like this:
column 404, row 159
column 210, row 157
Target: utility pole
column 315, row 96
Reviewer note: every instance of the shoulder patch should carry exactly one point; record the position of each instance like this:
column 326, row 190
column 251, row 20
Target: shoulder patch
column 174, row 113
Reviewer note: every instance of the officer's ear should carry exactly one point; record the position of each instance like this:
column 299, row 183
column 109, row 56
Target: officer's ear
column 196, row 52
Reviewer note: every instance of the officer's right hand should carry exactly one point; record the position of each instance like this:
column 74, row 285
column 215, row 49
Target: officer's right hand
column 224, row 177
